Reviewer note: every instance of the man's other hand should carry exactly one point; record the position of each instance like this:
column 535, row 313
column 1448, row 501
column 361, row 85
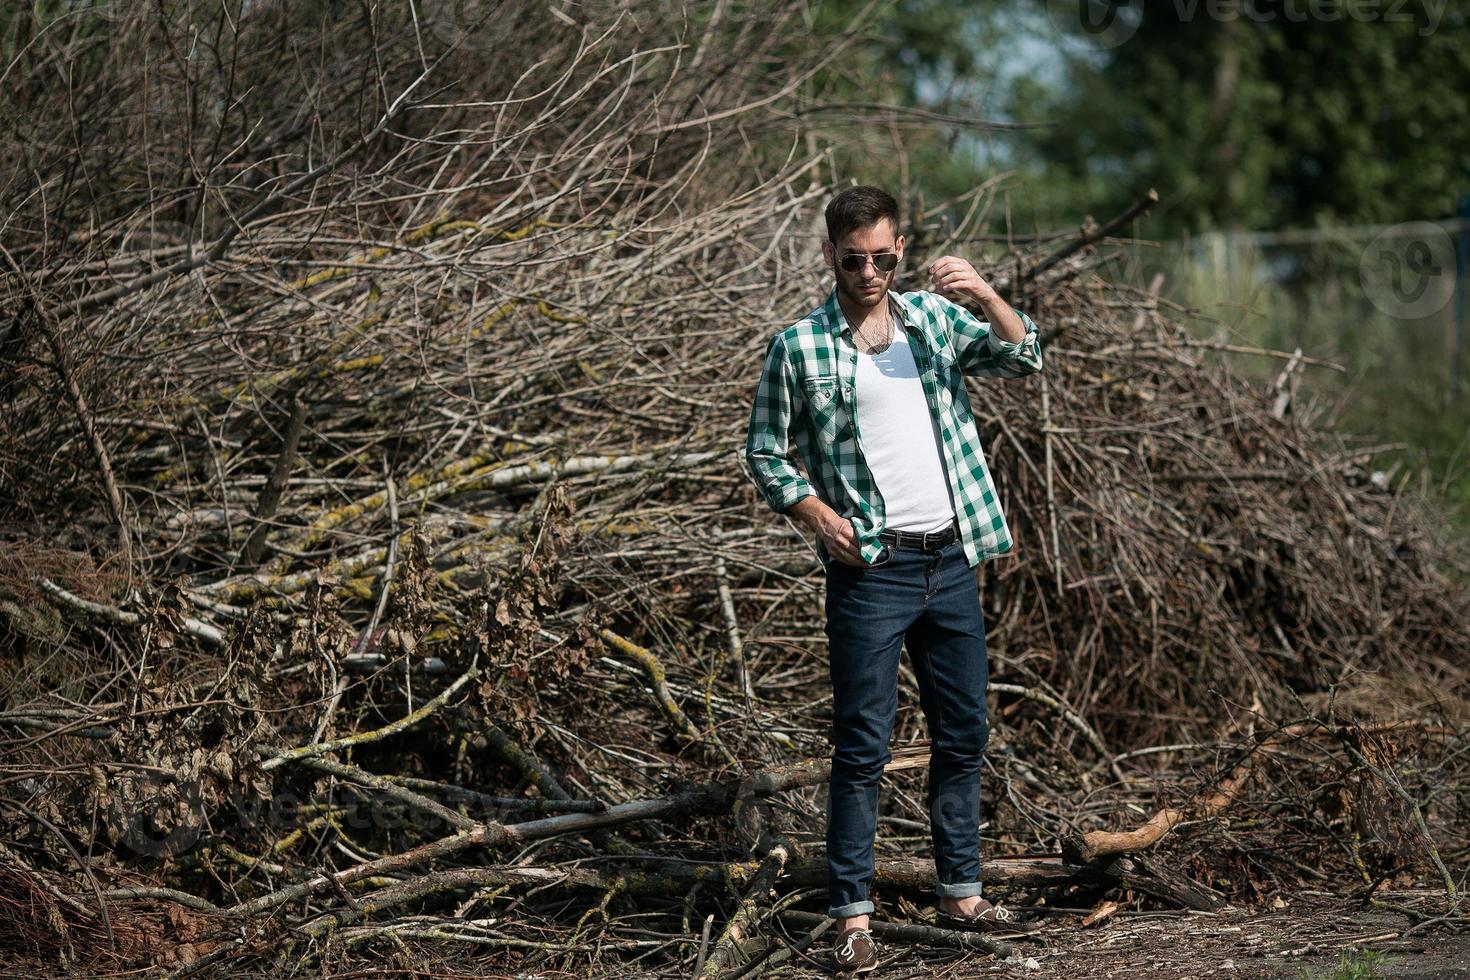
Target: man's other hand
column 841, row 540
column 835, row 531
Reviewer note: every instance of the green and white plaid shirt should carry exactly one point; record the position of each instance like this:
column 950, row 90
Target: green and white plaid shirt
column 805, row 401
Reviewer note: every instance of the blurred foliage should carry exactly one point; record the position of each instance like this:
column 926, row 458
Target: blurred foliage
column 1285, row 115
column 1396, row 389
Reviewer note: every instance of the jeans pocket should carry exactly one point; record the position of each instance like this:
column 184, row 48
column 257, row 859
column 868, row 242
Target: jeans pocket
column 859, row 570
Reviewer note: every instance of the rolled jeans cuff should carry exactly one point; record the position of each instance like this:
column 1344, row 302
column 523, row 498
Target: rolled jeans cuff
column 957, row 891
column 852, row 908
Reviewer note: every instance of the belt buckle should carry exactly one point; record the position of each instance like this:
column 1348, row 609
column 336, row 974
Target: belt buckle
column 937, row 536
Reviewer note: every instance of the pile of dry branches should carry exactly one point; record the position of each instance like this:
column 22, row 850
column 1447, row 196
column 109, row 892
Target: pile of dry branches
column 381, row 578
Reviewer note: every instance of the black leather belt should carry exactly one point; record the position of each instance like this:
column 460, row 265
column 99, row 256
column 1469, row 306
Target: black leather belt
column 914, row 541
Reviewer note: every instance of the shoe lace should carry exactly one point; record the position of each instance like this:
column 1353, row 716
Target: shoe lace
column 849, row 941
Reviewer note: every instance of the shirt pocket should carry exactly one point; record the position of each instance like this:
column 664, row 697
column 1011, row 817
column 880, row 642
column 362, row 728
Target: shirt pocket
column 825, row 405
column 949, row 384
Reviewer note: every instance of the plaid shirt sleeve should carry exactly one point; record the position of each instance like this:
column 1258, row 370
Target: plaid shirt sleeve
column 768, row 438
column 982, row 352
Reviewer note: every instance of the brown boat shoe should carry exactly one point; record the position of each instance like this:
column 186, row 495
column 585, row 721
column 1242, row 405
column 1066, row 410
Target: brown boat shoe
column 855, row 951
column 987, row 918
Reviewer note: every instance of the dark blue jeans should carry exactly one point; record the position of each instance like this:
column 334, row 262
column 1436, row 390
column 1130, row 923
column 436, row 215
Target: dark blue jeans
column 929, row 603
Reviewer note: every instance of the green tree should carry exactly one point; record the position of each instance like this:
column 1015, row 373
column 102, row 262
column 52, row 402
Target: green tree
column 1256, row 115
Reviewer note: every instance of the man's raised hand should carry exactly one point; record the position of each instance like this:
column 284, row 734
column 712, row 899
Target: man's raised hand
column 954, row 279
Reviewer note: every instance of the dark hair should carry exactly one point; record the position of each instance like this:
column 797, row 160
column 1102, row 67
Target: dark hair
column 859, row 207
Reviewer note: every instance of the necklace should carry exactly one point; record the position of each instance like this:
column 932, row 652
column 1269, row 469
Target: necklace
column 877, row 347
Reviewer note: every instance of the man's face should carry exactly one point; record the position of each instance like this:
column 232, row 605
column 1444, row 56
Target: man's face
column 865, row 286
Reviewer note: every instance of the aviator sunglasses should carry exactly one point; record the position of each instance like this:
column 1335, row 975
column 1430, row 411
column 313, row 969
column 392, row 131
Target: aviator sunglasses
column 882, row 261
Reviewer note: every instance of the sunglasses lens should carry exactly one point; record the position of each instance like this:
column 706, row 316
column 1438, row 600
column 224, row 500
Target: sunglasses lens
column 882, row 261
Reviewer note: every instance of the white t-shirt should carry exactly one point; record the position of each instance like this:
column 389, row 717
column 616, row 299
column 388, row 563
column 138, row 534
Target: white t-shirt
column 900, row 440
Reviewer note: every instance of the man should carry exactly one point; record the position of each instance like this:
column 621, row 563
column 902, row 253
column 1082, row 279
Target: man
column 868, row 392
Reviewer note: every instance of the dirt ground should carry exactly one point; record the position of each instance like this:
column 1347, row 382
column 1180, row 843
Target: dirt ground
column 1311, row 938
